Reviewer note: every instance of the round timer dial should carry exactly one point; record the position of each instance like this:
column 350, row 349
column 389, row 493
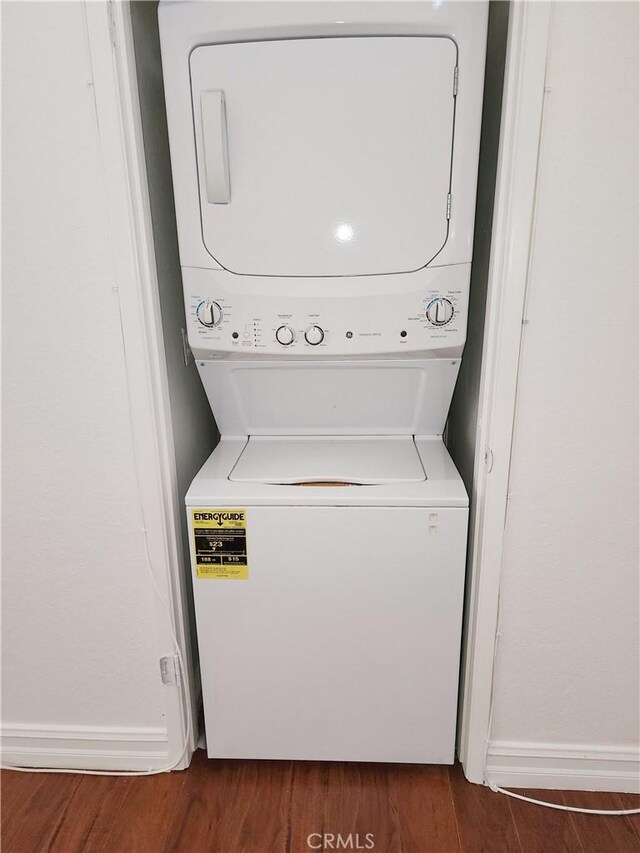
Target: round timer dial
column 439, row 311
column 209, row 313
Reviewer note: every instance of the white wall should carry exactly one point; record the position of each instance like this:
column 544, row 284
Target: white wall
column 79, row 629
column 568, row 656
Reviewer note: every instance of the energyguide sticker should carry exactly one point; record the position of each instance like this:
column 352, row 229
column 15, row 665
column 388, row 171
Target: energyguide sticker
column 220, row 543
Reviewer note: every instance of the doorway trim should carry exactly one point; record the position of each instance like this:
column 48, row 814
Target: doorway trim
column 513, row 222
column 119, row 130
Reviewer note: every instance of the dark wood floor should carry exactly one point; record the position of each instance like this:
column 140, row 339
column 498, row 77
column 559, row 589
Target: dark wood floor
column 259, row 807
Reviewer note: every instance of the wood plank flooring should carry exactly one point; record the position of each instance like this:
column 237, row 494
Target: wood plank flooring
column 277, row 806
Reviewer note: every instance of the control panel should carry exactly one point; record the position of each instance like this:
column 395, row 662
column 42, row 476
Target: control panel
column 228, row 316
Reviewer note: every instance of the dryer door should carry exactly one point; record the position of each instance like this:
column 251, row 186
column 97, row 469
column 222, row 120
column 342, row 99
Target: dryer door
column 324, row 157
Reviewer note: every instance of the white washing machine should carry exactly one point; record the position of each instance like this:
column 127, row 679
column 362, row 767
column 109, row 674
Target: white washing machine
column 324, row 159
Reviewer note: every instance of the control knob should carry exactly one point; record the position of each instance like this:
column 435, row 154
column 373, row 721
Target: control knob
column 209, row 313
column 439, row 311
column 314, row 335
column 285, row 336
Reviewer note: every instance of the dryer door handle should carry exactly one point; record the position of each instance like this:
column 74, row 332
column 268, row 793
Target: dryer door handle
column 215, row 149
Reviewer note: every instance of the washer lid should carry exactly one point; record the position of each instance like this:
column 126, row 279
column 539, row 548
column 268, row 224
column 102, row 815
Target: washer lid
column 324, row 156
column 307, row 460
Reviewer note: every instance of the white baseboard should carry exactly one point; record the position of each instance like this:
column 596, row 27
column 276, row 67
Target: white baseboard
column 85, row 747
column 568, row 766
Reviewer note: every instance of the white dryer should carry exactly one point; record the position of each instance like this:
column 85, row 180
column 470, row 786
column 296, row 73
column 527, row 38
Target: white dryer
column 324, row 159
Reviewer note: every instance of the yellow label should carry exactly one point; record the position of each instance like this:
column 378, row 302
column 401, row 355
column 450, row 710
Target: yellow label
column 220, row 543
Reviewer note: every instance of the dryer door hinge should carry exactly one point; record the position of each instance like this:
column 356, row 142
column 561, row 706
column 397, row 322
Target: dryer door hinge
column 448, row 205
column 455, row 81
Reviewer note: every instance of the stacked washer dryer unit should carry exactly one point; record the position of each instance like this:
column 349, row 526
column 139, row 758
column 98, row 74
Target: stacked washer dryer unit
column 324, row 159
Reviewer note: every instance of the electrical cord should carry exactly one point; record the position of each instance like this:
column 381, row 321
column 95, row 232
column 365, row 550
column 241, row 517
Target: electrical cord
column 499, row 790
